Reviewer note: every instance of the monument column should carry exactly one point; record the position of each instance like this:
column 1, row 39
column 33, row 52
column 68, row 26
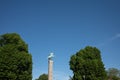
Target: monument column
column 50, row 66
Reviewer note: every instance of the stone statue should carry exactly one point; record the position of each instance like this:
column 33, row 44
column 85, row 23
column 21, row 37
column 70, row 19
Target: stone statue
column 50, row 56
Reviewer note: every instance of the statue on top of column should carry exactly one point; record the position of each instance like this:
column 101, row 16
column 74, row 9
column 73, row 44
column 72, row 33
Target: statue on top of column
column 51, row 56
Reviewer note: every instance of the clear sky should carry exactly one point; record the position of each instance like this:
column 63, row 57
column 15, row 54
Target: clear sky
column 64, row 27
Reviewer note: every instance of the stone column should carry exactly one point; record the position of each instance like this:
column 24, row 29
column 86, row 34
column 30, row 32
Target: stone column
column 50, row 69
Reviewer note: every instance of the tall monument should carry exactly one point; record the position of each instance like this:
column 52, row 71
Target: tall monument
column 50, row 66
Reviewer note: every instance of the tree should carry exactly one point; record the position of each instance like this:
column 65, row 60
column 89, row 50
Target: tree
column 87, row 65
column 15, row 60
column 113, row 74
column 43, row 77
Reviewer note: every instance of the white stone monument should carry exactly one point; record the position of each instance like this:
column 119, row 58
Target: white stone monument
column 50, row 66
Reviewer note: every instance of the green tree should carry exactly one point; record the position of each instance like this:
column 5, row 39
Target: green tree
column 113, row 74
column 87, row 65
column 15, row 60
column 43, row 77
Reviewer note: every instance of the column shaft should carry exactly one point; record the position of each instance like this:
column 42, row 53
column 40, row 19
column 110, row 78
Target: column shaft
column 50, row 68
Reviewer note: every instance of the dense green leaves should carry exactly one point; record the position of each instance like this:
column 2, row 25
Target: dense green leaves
column 87, row 64
column 15, row 61
column 43, row 77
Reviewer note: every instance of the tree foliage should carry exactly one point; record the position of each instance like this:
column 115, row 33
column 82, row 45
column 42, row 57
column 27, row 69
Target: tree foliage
column 87, row 64
column 113, row 74
column 43, row 77
column 15, row 61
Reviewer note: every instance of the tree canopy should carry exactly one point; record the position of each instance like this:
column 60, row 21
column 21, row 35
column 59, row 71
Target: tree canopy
column 15, row 60
column 87, row 64
column 113, row 74
column 43, row 77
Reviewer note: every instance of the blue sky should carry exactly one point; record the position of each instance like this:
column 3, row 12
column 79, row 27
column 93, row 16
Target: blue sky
column 64, row 27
